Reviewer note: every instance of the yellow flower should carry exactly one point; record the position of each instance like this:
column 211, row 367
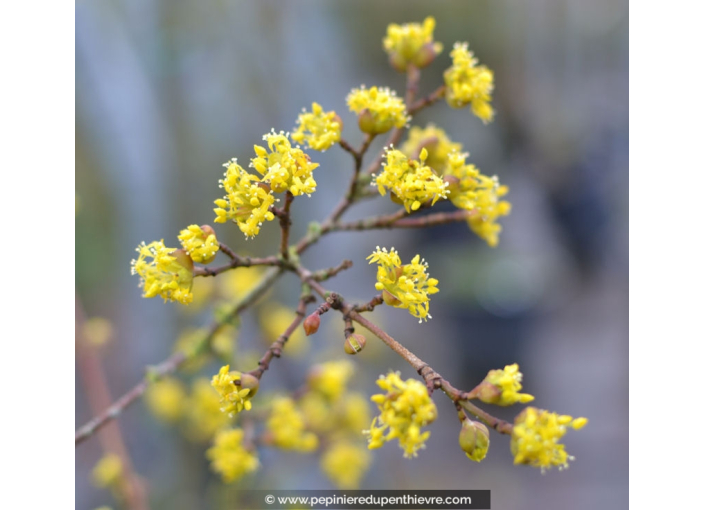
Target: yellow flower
column 166, row 399
column 404, row 285
column 164, row 272
column 318, row 129
column 287, row 427
column 411, row 44
column 481, row 195
column 469, row 83
column 345, row 464
column 285, row 168
column 247, row 200
column 378, row 109
column 97, row 331
column 436, row 141
column 501, row 387
column 411, row 182
column 536, row 435
column 330, row 379
column 229, row 458
column 203, row 415
column 200, row 243
column 404, row 409
column 235, row 390
column 108, row 471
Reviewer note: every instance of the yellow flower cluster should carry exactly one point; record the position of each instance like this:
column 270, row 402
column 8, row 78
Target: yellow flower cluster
column 203, row 415
column 536, row 435
column 285, row 168
column 229, row 457
column 501, row 387
column 378, row 109
column 411, row 182
column 164, row 272
column 331, row 378
column 108, row 471
column 287, row 427
column 247, row 200
column 345, row 463
column 411, row 44
column 235, row 393
column 469, row 83
column 481, row 195
column 318, row 129
column 200, row 243
column 436, row 141
column 166, row 399
column 405, row 409
column 404, row 285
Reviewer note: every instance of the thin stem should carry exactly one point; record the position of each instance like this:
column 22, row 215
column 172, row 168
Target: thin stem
column 173, row 362
column 274, row 351
column 325, row 274
column 399, row 220
column 237, row 261
column 428, row 100
column 285, row 222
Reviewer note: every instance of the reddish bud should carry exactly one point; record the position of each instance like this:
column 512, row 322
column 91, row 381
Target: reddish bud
column 311, row 324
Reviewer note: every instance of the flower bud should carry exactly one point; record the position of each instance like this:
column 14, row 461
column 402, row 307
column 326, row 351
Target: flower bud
column 389, row 298
column 474, row 440
column 311, row 324
column 427, row 54
column 183, row 259
column 355, row 343
column 369, row 123
column 398, row 62
column 250, row 382
column 208, row 231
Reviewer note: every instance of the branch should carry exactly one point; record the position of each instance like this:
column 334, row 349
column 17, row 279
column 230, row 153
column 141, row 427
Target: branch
column 274, row 351
column 399, row 220
column 285, row 222
column 237, row 261
column 173, row 362
column 433, row 379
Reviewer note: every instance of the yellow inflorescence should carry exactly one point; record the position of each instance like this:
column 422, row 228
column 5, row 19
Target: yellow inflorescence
column 330, row 379
column 411, row 44
column 536, row 435
column 436, row 141
column 378, row 109
column 287, row 427
column 203, row 415
column 108, row 471
column 404, row 285
column 469, row 83
column 501, row 387
column 479, row 194
column 166, row 399
column 233, row 398
column 345, row 464
column 165, row 272
column 229, row 457
column 247, row 200
column 285, row 168
column 318, row 129
column 412, row 182
column 405, row 409
column 201, row 245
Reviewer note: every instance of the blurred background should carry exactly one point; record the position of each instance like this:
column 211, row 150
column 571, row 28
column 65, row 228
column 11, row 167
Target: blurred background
column 168, row 90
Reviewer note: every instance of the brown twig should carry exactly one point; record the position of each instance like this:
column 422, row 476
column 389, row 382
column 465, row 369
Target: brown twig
column 274, row 351
column 399, row 220
column 237, row 261
column 325, row 274
column 173, row 362
column 97, row 391
column 285, row 222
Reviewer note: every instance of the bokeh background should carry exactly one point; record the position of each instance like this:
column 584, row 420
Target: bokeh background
column 168, row 90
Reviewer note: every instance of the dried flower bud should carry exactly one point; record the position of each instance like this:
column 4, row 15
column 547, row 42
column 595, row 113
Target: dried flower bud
column 355, row 343
column 474, row 440
column 311, row 324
